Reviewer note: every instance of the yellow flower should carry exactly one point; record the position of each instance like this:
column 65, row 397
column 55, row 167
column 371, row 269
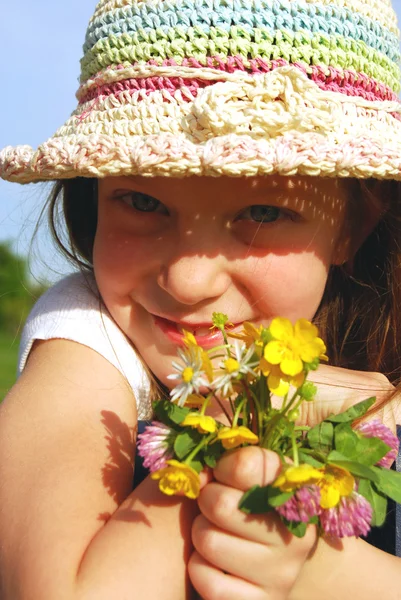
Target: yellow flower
column 293, row 345
column 336, row 482
column 194, row 400
column 277, row 382
column 178, row 479
column 207, row 365
column 293, row 478
column 187, row 374
column 189, row 339
column 200, row 422
column 231, row 365
column 232, row 437
column 250, row 334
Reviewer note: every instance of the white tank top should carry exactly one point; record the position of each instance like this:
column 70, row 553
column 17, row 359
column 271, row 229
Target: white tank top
column 72, row 310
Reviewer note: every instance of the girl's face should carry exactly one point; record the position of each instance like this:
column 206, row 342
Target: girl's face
column 170, row 252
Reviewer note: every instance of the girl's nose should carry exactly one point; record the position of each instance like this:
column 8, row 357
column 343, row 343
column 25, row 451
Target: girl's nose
column 193, row 279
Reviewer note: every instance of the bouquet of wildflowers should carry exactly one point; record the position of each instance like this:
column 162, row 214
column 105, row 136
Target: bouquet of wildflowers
column 335, row 475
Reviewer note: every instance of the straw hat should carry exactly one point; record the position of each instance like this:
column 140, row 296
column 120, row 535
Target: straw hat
column 230, row 87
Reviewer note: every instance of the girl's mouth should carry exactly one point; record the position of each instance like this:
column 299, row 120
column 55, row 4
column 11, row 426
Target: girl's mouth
column 205, row 334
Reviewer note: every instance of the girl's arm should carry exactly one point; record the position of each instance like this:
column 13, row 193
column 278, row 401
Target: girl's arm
column 351, row 569
column 66, row 462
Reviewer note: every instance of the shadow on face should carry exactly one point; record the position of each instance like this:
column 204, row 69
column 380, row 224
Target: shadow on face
column 205, row 209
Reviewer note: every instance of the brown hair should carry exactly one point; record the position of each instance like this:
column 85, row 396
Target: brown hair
column 360, row 313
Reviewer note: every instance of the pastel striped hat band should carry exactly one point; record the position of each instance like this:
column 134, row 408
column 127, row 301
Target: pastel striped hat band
column 230, row 87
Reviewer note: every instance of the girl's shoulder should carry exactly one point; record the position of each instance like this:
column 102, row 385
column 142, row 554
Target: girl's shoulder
column 73, row 310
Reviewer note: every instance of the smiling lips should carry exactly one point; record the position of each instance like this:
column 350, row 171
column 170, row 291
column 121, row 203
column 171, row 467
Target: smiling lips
column 205, row 336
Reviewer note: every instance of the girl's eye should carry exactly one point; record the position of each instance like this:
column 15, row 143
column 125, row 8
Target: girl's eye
column 261, row 213
column 143, row 202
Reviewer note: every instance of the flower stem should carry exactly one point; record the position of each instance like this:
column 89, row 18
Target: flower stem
column 205, row 440
column 294, row 449
column 219, row 402
column 238, row 412
column 287, row 406
column 256, row 411
column 205, row 405
column 225, row 338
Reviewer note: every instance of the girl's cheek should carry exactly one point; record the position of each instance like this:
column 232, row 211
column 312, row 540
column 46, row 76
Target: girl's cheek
column 122, row 257
column 289, row 285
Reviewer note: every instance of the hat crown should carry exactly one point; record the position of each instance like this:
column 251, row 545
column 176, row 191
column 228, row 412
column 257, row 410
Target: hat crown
column 350, row 36
column 381, row 11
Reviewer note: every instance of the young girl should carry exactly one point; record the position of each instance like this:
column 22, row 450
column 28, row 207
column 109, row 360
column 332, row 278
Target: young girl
column 229, row 156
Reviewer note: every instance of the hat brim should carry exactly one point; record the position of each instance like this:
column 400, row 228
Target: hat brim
column 280, row 122
column 231, row 155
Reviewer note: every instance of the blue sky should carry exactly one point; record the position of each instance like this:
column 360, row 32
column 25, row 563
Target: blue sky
column 41, row 42
column 39, row 69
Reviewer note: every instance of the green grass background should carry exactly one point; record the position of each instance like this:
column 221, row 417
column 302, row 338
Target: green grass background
column 8, row 362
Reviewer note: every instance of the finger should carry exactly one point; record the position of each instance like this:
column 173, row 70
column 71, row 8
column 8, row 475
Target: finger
column 205, row 476
column 234, row 555
column 246, row 467
column 212, row 584
column 219, row 504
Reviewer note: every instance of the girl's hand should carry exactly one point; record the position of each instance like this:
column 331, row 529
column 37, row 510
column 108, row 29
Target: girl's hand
column 239, row 556
column 338, row 389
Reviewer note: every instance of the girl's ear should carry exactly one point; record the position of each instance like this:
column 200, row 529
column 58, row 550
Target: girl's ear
column 361, row 219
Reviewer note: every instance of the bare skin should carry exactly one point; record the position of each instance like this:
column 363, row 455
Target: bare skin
column 71, row 527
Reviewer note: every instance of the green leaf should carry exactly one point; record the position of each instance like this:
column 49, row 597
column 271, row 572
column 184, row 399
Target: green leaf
column 388, row 483
column 211, row 454
column 276, row 497
column 377, row 501
column 169, row 413
column 354, row 412
column 320, row 437
column 356, row 468
column 185, row 442
column 255, row 501
column 367, row 451
column 345, row 440
column 370, row 450
column 259, row 500
column 196, row 464
column 304, row 457
column 296, row 528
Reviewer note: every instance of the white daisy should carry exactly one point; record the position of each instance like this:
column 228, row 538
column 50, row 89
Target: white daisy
column 190, row 374
column 238, row 364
